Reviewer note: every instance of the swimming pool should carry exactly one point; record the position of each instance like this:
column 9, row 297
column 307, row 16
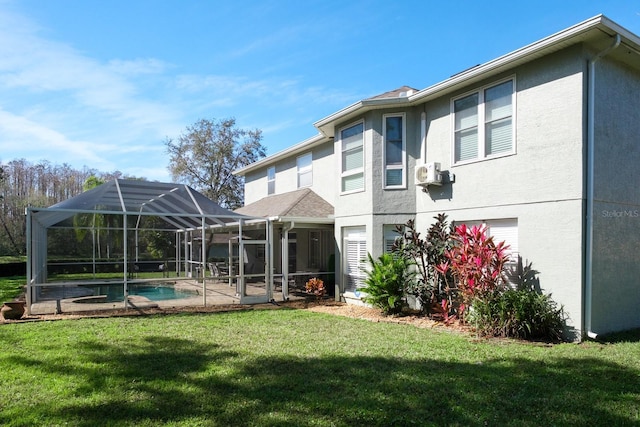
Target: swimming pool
column 154, row 292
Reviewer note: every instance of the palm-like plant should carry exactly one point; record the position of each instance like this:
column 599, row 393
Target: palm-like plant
column 386, row 281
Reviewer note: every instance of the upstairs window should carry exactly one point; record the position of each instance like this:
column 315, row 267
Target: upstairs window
column 271, row 180
column 305, row 171
column 352, row 141
column 393, row 131
column 483, row 123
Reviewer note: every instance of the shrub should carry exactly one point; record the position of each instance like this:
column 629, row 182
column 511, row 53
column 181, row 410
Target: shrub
column 429, row 287
column 315, row 286
column 517, row 313
column 385, row 283
column 476, row 262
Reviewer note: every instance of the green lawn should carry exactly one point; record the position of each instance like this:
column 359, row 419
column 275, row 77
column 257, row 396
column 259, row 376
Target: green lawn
column 11, row 287
column 293, row 367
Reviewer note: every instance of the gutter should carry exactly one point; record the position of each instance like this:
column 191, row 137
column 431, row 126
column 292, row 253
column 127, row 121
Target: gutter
column 580, row 32
column 300, row 147
column 588, row 287
column 303, row 219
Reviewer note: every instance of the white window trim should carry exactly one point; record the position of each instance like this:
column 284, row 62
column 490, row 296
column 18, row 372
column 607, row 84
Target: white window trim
column 353, row 171
column 481, row 118
column 402, row 167
column 269, row 180
column 358, row 235
column 303, row 171
column 389, row 236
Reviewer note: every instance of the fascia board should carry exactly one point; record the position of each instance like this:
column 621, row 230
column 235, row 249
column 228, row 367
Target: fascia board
column 303, row 219
column 577, row 33
column 327, row 125
column 554, row 42
column 288, row 152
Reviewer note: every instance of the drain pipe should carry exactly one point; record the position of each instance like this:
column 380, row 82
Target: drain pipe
column 590, row 185
column 285, row 259
column 423, row 136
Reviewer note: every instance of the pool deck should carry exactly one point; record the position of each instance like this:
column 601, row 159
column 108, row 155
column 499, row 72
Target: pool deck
column 217, row 293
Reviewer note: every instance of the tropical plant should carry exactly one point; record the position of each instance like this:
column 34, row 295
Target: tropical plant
column 106, row 225
column 159, row 242
column 518, row 313
column 476, row 263
column 386, row 281
column 315, row 286
column 429, row 287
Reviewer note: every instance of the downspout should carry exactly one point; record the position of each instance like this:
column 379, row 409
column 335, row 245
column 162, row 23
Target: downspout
column 125, row 285
column 590, row 186
column 423, row 137
column 285, row 259
column 29, row 294
column 203, row 259
column 269, row 258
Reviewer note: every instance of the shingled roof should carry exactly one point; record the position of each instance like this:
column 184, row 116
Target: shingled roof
column 402, row 91
column 303, row 203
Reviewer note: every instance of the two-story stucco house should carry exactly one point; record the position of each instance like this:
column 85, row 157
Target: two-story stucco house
column 541, row 144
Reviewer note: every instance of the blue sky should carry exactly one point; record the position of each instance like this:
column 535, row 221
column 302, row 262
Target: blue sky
column 102, row 84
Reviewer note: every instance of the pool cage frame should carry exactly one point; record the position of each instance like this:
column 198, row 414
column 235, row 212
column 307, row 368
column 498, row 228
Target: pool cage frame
column 185, row 211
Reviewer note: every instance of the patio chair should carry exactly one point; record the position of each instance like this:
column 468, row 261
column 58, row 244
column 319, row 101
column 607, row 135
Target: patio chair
column 213, row 269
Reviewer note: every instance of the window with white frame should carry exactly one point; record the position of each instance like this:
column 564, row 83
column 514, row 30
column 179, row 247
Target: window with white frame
column 389, row 235
column 393, row 131
column 271, row 180
column 355, row 255
column 305, row 171
column 352, row 142
column 483, row 123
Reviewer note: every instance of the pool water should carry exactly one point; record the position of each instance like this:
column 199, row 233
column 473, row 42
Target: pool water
column 114, row 293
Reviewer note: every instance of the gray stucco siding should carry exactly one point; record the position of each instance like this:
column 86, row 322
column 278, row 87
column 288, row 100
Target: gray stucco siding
column 616, row 271
column 617, row 133
column 548, row 159
column 549, row 237
column 616, row 216
column 255, row 186
column 358, row 202
column 394, row 200
column 541, row 184
column 323, row 167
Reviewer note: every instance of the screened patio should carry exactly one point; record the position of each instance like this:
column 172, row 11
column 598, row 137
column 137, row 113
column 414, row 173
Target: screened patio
column 129, row 234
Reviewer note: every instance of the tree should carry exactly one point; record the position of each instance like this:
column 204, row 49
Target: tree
column 208, row 152
column 4, row 223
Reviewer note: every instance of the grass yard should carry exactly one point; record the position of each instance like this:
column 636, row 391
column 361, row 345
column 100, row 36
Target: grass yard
column 11, row 287
column 295, row 367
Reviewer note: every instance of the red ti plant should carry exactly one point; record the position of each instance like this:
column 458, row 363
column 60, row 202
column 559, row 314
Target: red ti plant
column 476, row 263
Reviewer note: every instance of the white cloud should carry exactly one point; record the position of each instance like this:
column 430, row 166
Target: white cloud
column 60, row 104
column 65, row 105
column 21, row 135
column 143, row 66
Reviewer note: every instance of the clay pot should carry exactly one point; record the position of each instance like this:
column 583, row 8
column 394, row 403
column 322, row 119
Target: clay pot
column 12, row 310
